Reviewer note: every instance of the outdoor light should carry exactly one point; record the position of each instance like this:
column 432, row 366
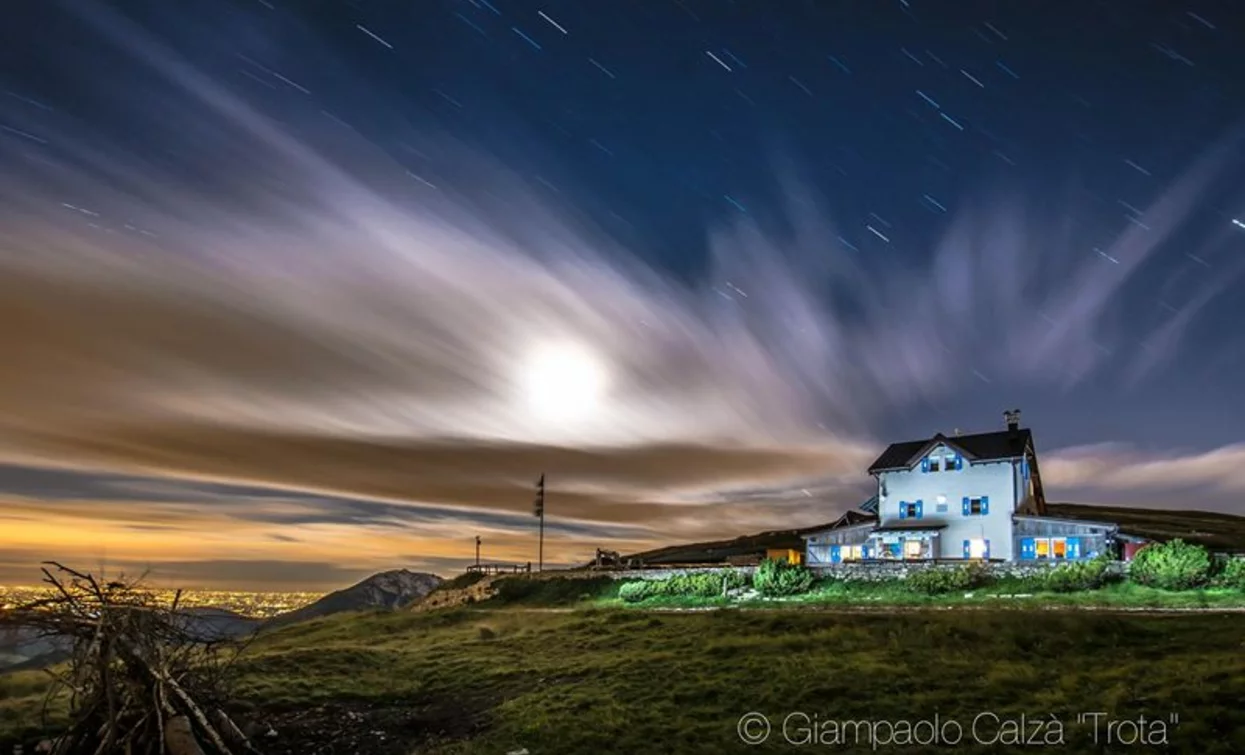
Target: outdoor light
column 942, row 499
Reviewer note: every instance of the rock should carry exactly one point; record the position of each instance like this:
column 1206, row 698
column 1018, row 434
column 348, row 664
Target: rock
column 520, row 751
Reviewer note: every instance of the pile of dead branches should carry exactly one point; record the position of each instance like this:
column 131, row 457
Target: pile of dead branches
column 140, row 679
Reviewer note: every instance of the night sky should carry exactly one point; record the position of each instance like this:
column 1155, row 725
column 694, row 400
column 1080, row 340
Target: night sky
column 291, row 292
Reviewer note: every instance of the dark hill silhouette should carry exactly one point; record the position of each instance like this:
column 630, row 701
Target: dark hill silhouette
column 388, row 590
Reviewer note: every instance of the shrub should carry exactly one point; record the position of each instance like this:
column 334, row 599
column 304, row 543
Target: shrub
column 634, row 592
column 775, row 578
column 1077, row 575
column 1174, row 565
column 696, row 584
column 1233, row 573
column 938, row 581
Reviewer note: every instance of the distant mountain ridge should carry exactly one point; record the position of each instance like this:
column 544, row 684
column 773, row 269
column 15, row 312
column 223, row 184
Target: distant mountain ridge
column 389, row 590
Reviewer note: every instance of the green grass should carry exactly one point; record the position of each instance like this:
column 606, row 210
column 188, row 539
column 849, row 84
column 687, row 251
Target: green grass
column 632, row 681
column 552, row 592
column 460, row 582
column 21, row 704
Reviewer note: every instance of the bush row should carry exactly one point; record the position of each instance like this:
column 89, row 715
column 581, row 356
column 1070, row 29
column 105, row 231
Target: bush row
column 706, row 585
column 1177, row 565
column 1174, row 565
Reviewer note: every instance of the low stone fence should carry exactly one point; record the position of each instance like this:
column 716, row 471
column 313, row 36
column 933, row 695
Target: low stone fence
column 650, row 573
column 880, row 571
column 863, row 571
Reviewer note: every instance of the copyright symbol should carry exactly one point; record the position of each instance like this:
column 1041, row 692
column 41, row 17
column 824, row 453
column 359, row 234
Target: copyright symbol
column 753, row 728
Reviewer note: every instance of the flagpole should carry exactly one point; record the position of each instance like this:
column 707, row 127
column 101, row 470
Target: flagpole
column 539, row 510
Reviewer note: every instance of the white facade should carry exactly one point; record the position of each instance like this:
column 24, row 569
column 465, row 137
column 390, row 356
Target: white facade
column 973, row 501
column 964, row 497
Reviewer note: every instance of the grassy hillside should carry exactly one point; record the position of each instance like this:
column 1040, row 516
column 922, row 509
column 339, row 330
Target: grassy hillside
column 718, row 551
column 1220, row 532
column 474, row 681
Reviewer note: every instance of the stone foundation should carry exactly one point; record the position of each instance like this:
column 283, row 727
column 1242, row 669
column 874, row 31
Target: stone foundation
column 880, row 571
column 871, row 571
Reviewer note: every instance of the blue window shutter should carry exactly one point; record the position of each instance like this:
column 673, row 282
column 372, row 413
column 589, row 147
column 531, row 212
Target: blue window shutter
column 1074, row 548
column 925, row 464
column 968, row 550
column 987, row 554
column 1028, row 550
column 985, row 505
column 959, row 462
column 1024, row 468
column 920, row 505
column 836, row 554
column 965, row 505
column 903, row 509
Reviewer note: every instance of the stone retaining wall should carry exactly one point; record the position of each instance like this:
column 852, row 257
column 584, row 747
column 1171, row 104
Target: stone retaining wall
column 874, row 571
column 653, row 574
column 881, row 571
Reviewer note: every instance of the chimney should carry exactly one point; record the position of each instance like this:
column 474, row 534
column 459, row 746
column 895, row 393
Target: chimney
column 1013, row 420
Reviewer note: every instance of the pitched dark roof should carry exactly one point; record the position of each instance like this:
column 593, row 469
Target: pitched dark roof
column 1004, row 444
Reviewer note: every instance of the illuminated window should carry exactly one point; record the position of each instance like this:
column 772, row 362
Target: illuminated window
column 851, row 553
column 912, row 549
column 977, row 548
column 1059, row 547
column 1054, row 547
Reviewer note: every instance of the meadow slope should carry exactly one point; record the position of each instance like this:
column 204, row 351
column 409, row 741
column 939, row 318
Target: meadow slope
column 474, row 680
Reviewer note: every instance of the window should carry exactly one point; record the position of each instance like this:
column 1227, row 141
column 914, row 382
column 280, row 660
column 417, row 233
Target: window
column 1058, row 548
column 948, row 462
column 850, row 553
column 978, row 548
column 976, row 506
column 941, row 508
column 912, row 549
column 910, row 510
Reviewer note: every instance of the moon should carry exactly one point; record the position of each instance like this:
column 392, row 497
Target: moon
column 564, row 383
